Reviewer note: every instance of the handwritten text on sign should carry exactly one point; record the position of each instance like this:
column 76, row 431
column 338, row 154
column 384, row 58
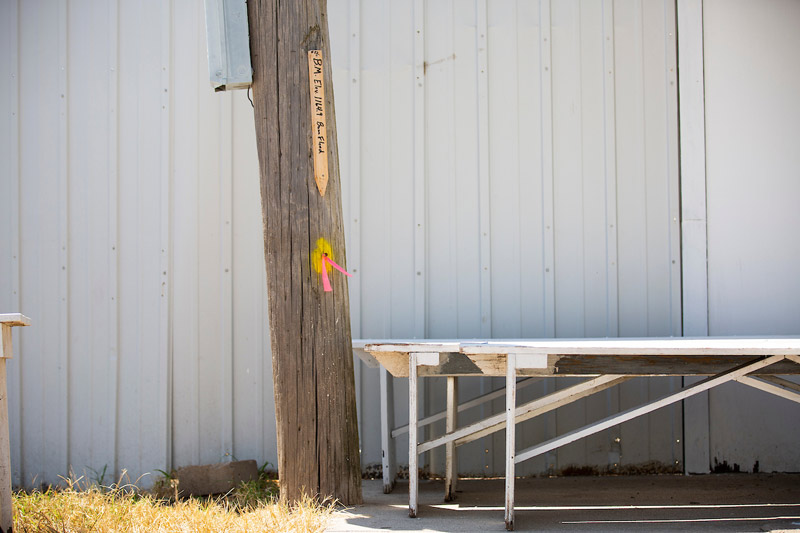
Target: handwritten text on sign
column 318, row 121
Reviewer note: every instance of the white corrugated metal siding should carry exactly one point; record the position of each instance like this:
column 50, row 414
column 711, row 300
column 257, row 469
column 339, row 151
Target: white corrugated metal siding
column 549, row 193
column 510, row 169
column 753, row 173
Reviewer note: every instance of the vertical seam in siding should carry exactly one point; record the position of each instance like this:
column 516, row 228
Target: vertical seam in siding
column 354, row 182
column 62, row 453
column 693, row 229
column 692, row 167
column 484, row 190
column 266, row 362
column 14, row 214
column 164, row 330
column 646, row 386
column 673, row 167
column 386, row 189
column 420, row 183
column 484, row 201
column 582, row 405
column 194, row 418
column 610, row 170
column 673, row 192
column 453, row 179
column 113, row 213
column 520, row 177
column 581, row 155
column 645, row 177
column 226, row 285
column 420, row 207
column 354, row 257
column 672, row 186
column 136, row 161
column 546, row 107
column 609, row 140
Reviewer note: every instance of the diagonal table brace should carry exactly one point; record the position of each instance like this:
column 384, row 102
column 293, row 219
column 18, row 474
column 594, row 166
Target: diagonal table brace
column 524, row 412
column 488, row 425
column 697, row 388
column 774, row 385
column 475, row 402
column 629, row 414
column 450, row 415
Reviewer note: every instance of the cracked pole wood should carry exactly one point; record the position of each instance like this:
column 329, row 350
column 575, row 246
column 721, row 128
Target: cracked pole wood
column 7, row 321
column 312, row 358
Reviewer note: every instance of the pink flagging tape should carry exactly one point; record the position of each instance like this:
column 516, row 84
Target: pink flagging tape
column 337, row 267
column 326, row 284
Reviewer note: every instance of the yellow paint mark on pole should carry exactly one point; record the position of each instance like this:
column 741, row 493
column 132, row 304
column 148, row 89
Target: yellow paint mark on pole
column 321, row 259
column 323, row 248
column 319, row 129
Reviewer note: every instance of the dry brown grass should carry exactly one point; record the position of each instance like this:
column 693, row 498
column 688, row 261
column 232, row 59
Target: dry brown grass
column 90, row 508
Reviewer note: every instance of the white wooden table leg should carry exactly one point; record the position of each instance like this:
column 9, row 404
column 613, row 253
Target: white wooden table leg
column 451, row 460
column 511, row 397
column 392, row 441
column 412, row 436
column 387, row 421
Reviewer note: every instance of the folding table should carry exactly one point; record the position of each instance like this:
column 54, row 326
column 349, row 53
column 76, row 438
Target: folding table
column 606, row 362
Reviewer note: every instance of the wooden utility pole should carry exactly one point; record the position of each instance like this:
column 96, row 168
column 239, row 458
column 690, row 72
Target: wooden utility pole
column 312, row 358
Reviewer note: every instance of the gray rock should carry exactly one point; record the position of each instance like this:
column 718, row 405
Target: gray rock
column 220, row 478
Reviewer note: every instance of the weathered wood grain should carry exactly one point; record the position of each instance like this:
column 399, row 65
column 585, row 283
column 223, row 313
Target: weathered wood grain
column 660, row 365
column 318, row 449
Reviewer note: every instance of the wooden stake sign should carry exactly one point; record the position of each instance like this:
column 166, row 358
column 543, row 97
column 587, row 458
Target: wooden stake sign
column 319, row 129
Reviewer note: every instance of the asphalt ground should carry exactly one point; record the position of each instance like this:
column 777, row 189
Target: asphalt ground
column 714, row 502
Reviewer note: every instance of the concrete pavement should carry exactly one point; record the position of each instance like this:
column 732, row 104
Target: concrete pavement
column 714, row 502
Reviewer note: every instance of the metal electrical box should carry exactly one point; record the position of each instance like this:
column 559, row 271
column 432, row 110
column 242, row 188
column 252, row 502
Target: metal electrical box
column 228, row 41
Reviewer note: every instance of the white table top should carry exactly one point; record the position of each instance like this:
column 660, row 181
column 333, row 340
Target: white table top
column 642, row 346
column 14, row 319
column 651, row 356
